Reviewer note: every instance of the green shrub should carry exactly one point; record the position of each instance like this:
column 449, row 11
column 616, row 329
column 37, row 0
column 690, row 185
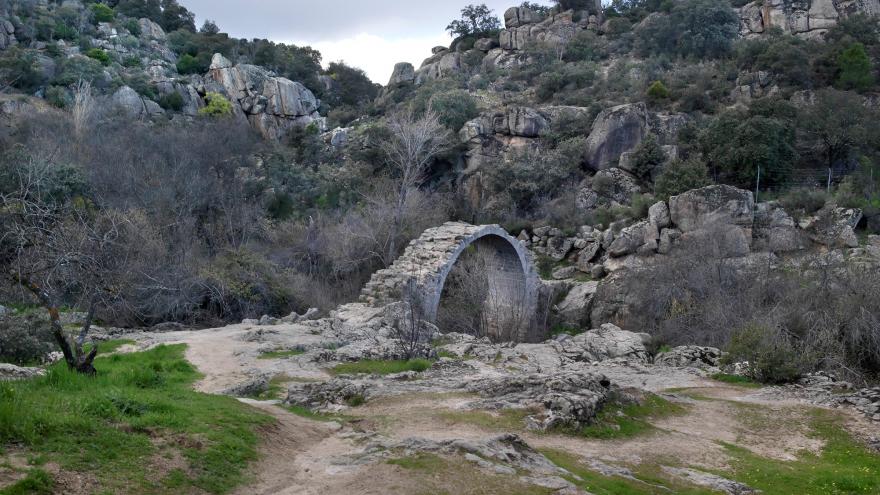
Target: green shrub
column 102, row 13
column 680, row 176
column 647, row 156
column 25, row 338
column 772, row 354
column 803, row 199
column 187, row 64
column 132, row 61
column 79, row 68
column 99, row 55
column 454, row 108
column 57, row 96
column 855, row 68
column 171, row 101
column 64, row 32
column 217, row 106
column 133, row 27
column 657, row 91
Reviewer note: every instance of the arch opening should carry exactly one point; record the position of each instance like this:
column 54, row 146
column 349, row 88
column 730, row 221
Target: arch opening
column 485, row 292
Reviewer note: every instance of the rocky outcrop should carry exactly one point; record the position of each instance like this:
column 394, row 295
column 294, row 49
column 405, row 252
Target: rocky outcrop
column 574, row 309
column 404, row 73
column 690, row 356
column 7, row 34
column 833, row 226
column 128, row 103
column 611, row 342
column 443, row 63
column 621, row 129
column 711, row 206
column 324, row 395
column 10, row 372
column 775, row 230
column 273, row 105
column 808, row 19
column 564, row 399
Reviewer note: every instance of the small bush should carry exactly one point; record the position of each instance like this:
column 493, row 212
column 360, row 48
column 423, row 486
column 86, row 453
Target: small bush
column 57, row 96
column 657, row 91
column 217, row 106
column 99, row 55
column 803, row 199
column 25, row 339
column 102, row 13
column 772, row 354
column 171, row 101
column 454, row 108
column 133, row 27
column 680, row 176
column 187, row 64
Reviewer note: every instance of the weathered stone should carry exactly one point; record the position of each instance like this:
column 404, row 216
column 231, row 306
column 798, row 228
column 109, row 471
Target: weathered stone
column 616, row 130
column 610, row 341
column 250, row 388
column 711, row 481
column 658, row 215
column 634, row 237
column 336, row 392
column 615, row 185
column 690, row 356
column 559, row 247
column 404, row 73
column 712, row 206
column 520, row 121
column 574, row 309
column 565, row 272
column 775, row 230
column 833, row 226
column 519, row 16
column 486, row 44
column 10, row 372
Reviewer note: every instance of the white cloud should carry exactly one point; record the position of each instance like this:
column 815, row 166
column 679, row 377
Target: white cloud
column 377, row 55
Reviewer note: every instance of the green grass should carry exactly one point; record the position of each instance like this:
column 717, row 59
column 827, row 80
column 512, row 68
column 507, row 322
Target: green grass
column 843, row 467
column 599, row 484
column 37, row 482
column 139, row 408
column 421, row 461
column 563, row 329
column 506, row 419
column 281, row 354
column 109, row 346
column 381, row 367
column 627, row 420
column 742, row 381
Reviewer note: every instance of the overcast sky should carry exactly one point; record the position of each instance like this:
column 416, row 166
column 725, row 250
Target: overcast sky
column 370, row 34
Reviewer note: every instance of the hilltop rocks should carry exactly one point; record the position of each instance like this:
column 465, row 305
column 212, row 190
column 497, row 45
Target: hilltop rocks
column 520, row 121
column 273, row 105
column 611, row 342
column 404, row 73
column 805, row 19
column 518, row 16
column 443, row 63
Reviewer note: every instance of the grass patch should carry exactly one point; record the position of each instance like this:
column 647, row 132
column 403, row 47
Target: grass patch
column 742, row 381
column 108, row 346
column 421, row 461
column 563, row 329
column 139, row 407
column 598, row 484
column 37, row 482
column 627, row 420
column 506, row 419
column 843, row 467
column 281, row 354
column 381, row 367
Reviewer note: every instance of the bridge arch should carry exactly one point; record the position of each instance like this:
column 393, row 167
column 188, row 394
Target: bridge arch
column 422, row 270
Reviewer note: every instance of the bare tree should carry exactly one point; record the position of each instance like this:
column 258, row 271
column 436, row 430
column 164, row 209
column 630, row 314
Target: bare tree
column 414, row 143
column 58, row 248
column 83, row 107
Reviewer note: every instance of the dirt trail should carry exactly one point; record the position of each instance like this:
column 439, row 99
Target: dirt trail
column 305, row 456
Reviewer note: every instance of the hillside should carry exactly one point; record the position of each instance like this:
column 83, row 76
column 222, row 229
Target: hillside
column 587, row 248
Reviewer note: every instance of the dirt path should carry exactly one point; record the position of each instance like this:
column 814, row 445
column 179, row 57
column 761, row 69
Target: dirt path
column 306, row 456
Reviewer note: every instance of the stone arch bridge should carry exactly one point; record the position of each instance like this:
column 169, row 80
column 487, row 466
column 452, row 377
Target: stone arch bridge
column 420, row 273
